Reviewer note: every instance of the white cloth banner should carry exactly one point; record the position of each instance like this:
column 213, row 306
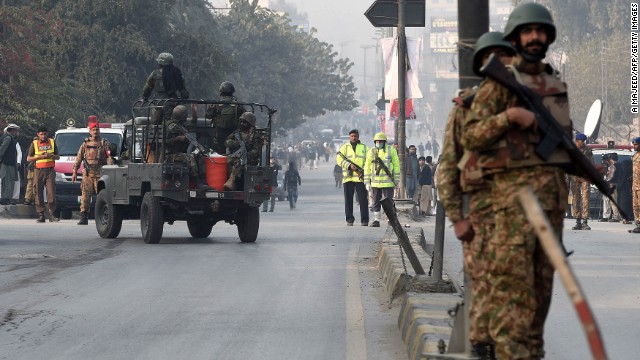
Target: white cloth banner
column 390, row 58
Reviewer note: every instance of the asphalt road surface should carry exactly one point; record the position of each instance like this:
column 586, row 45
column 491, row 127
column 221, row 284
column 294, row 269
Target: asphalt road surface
column 307, row 289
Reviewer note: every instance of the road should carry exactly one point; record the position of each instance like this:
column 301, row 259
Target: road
column 308, row 288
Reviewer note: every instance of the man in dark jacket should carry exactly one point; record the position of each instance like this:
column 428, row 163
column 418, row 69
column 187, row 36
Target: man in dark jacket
column 291, row 182
column 275, row 167
column 8, row 162
column 426, row 181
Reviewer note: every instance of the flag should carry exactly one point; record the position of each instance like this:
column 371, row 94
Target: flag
column 390, row 58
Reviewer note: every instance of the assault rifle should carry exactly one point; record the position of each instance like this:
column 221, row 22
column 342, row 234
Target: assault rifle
column 384, row 167
column 553, row 134
column 358, row 170
column 242, row 151
column 192, row 140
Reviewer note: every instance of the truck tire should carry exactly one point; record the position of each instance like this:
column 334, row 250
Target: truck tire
column 248, row 222
column 108, row 217
column 151, row 219
column 199, row 227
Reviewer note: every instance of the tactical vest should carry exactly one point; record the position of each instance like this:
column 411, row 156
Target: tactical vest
column 517, row 148
column 99, row 149
column 159, row 83
column 41, row 148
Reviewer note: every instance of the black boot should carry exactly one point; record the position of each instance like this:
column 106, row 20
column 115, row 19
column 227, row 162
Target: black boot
column 83, row 219
column 40, row 218
column 585, row 226
column 578, row 224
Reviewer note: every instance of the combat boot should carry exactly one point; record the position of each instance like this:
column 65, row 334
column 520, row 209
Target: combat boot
column 376, row 219
column 578, row 225
column 83, row 219
column 585, row 226
column 52, row 218
column 40, row 218
column 230, row 185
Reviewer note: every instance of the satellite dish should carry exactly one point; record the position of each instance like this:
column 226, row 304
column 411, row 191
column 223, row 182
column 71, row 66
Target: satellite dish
column 592, row 124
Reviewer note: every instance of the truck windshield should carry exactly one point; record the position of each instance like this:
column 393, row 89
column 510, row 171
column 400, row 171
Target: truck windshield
column 69, row 143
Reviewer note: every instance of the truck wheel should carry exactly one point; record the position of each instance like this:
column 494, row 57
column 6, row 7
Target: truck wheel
column 199, row 227
column 108, row 217
column 248, row 222
column 66, row 214
column 151, row 219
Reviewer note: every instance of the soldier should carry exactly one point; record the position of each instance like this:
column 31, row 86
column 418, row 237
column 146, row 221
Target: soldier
column 351, row 159
column 244, row 148
column 44, row 152
column 178, row 144
column 580, row 189
column 224, row 116
column 381, row 173
column 610, row 210
column 519, row 273
column 94, row 153
column 168, row 83
column 635, row 185
column 475, row 225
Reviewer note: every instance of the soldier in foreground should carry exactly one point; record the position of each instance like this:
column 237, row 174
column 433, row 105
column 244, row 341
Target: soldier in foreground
column 178, row 144
column 381, row 173
column 473, row 226
column 580, row 189
column 504, row 133
column 244, row 148
column 94, row 153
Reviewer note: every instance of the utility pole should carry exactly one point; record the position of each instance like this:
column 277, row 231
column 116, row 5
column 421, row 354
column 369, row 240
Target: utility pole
column 402, row 70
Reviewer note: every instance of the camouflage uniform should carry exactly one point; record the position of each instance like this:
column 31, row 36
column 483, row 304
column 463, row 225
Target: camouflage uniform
column 580, row 190
column 177, row 150
column 452, row 185
column 519, row 273
column 225, row 120
column 635, row 187
column 94, row 151
column 253, row 142
column 29, row 192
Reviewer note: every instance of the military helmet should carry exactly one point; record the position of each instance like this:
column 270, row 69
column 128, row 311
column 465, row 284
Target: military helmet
column 227, row 88
column 179, row 113
column 165, row 59
column 486, row 41
column 380, row 137
column 249, row 117
column 530, row 13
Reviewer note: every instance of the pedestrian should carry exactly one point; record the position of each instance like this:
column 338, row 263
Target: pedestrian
column 580, row 189
column 8, row 163
column 224, row 116
column 432, row 167
column 381, row 173
column 44, row 152
column 519, row 273
column 412, row 175
column 291, row 182
column 436, row 148
column 244, row 143
column 473, row 224
column 610, row 210
column 93, row 153
column 337, row 175
column 421, row 149
column 427, row 147
column 635, row 185
column 351, row 161
column 275, row 168
column 168, row 83
column 625, row 192
column 425, row 181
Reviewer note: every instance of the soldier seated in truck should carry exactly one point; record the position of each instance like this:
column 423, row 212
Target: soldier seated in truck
column 178, row 144
column 244, row 147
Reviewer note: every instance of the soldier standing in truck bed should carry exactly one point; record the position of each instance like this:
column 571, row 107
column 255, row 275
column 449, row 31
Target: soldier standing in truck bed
column 244, row 148
column 224, row 116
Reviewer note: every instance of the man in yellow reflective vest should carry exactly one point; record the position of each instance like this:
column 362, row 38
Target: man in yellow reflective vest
column 351, row 158
column 381, row 173
column 45, row 153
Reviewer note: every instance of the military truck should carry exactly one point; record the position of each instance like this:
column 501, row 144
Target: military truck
column 142, row 185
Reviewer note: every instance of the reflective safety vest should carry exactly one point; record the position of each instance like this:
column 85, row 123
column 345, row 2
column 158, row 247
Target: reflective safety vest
column 358, row 157
column 41, row 148
column 373, row 172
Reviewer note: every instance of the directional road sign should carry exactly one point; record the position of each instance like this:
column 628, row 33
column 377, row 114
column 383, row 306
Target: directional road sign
column 384, row 13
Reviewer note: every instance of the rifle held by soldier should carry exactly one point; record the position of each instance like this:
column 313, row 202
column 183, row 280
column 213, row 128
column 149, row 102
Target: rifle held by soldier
column 192, row 140
column 553, row 134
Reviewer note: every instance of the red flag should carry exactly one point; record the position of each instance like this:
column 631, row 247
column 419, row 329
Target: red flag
column 408, row 110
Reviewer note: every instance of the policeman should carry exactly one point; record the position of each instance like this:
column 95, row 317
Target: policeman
column 505, row 135
column 244, row 147
column 224, row 116
column 476, row 226
column 168, row 83
column 351, row 158
column 178, row 144
column 580, row 189
column 44, row 152
column 381, row 173
column 94, row 153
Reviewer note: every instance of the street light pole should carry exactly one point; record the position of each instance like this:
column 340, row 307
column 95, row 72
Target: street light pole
column 402, row 69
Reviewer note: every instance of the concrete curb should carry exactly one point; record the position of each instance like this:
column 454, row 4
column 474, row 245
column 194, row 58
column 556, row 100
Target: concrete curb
column 424, row 321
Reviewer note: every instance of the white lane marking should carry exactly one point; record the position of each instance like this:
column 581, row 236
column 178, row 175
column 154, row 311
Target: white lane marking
column 356, row 341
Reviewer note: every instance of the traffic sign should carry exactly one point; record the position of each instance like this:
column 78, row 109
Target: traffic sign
column 384, row 13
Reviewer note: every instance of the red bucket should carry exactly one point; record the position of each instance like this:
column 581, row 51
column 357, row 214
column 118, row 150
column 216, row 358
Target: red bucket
column 216, row 170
